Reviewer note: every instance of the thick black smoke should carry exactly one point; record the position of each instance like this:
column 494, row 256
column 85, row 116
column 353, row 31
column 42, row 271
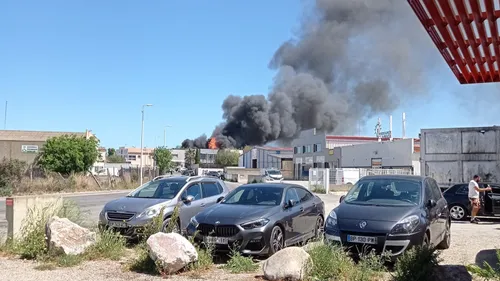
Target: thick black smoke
column 199, row 142
column 352, row 59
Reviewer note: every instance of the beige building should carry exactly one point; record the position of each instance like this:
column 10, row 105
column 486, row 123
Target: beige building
column 132, row 156
column 25, row 145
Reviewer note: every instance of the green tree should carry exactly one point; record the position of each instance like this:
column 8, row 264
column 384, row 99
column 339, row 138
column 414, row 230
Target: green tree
column 163, row 158
column 227, row 158
column 189, row 158
column 115, row 159
column 111, row 151
column 197, row 157
column 69, row 154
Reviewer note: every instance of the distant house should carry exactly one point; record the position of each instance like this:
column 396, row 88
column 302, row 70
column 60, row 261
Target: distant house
column 132, row 156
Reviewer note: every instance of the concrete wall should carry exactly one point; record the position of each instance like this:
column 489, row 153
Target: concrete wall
column 25, row 208
column 14, row 150
column 396, row 154
column 242, row 173
column 454, row 155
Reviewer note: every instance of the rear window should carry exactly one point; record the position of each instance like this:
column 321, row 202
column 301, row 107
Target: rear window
column 388, row 192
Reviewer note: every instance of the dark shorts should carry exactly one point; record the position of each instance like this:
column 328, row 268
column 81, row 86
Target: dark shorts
column 474, row 202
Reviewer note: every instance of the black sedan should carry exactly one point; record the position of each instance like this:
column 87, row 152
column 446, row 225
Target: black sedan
column 390, row 214
column 260, row 219
column 457, row 197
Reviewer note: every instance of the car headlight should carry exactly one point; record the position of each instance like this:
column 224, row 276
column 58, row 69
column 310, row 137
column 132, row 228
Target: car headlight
column 406, row 225
column 332, row 218
column 150, row 212
column 255, row 224
column 193, row 221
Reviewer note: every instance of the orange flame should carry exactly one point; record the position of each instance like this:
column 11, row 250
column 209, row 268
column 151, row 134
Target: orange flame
column 212, row 144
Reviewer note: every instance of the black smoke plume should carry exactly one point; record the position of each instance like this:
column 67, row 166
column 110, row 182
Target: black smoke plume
column 199, row 142
column 351, row 60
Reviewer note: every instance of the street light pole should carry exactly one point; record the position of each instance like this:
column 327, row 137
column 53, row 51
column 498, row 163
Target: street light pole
column 142, row 142
column 165, row 135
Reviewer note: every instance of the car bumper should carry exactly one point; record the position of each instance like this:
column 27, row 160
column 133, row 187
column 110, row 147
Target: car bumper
column 391, row 246
column 251, row 242
column 129, row 228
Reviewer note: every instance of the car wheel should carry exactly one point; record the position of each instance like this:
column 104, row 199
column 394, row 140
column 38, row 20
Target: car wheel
column 426, row 242
column 277, row 240
column 445, row 244
column 458, row 212
column 174, row 229
column 318, row 231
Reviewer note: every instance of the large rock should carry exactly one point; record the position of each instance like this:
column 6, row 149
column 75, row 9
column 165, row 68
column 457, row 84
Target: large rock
column 171, row 251
column 291, row 263
column 66, row 236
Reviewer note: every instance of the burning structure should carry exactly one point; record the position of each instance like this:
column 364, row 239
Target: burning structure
column 349, row 62
column 466, row 35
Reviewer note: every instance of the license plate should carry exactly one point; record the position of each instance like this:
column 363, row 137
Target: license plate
column 361, row 239
column 216, row 240
column 118, row 224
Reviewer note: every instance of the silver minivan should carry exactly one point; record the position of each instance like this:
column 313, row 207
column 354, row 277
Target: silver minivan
column 193, row 194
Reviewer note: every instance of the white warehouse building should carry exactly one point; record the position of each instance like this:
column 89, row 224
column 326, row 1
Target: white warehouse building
column 265, row 157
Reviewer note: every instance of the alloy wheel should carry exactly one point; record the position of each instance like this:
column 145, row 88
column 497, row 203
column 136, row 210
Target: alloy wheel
column 457, row 212
column 277, row 239
column 319, row 227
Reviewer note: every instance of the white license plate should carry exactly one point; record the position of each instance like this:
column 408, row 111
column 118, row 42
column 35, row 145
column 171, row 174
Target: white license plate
column 361, row 239
column 216, row 240
column 118, row 224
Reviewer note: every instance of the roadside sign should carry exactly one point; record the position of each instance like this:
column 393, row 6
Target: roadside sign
column 28, row 148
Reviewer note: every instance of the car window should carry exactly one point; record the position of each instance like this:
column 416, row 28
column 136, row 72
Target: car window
column 210, row 189
column 383, row 191
column 220, row 187
column 159, row 189
column 255, row 195
column 194, row 190
column 428, row 191
column 436, row 191
column 304, row 195
column 462, row 189
column 291, row 194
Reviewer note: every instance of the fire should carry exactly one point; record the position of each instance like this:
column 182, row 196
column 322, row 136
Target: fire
column 212, row 144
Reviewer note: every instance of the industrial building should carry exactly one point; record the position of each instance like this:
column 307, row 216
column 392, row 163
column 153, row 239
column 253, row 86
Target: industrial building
column 25, row 145
column 262, row 157
column 455, row 155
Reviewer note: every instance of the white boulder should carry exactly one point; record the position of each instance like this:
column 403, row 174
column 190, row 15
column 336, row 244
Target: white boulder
column 171, row 251
column 291, row 263
column 66, row 236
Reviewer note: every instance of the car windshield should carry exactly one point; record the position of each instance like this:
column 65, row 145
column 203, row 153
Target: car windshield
column 388, row 192
column 159, row 189
column 255, row 195
column 273, row 172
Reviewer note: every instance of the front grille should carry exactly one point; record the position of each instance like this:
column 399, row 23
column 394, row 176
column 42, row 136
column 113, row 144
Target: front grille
column 219, row 231
column 116, row 216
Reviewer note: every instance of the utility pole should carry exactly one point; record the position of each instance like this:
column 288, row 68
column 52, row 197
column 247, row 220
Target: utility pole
column 165, row 135
column 142, row 142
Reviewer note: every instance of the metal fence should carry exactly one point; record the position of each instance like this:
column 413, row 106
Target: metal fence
column 319, row 180
column 340, row 176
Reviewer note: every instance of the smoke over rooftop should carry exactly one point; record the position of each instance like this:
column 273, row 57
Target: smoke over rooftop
column 350, row 60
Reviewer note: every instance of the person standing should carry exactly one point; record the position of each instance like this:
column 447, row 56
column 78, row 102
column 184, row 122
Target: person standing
column 474, row 191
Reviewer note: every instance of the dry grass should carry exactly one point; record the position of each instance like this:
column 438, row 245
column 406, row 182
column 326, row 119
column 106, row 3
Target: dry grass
column 54, row 183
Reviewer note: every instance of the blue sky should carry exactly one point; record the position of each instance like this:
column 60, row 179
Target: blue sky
column 76, row 65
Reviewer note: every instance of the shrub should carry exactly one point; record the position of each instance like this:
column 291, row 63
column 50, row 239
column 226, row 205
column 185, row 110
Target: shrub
column 416, row 264
column 110, row 245
column 205, row 256
column 11, row 174
column 487, row 271
column 238, row 263
column 332, row 262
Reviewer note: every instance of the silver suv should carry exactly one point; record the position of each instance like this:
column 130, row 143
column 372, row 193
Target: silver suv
column 193, row 194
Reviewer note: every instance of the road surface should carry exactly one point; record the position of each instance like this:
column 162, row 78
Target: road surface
column 91, row 204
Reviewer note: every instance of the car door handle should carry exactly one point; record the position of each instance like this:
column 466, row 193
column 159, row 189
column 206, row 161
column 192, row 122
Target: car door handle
column 202, row 205
column 301, row 209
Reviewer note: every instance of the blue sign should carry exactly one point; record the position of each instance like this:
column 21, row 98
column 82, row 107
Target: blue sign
column 278, row 152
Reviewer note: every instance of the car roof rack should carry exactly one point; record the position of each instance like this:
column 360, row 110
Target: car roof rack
column 194, row 178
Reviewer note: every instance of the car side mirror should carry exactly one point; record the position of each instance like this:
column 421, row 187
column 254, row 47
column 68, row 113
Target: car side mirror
column 220, row 199
column 290, row 203
column 431, row 203
column 188, row 199
column 341, row 198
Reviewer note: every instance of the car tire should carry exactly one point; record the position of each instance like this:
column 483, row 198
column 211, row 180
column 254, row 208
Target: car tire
column 445, row 244
column 276, row 240
column 318, row 231
column 166, row 222
column 426, row 242
column 458, row 212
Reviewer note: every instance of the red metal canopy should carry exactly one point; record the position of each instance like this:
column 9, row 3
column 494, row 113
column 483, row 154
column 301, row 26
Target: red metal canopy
column 466, row 34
